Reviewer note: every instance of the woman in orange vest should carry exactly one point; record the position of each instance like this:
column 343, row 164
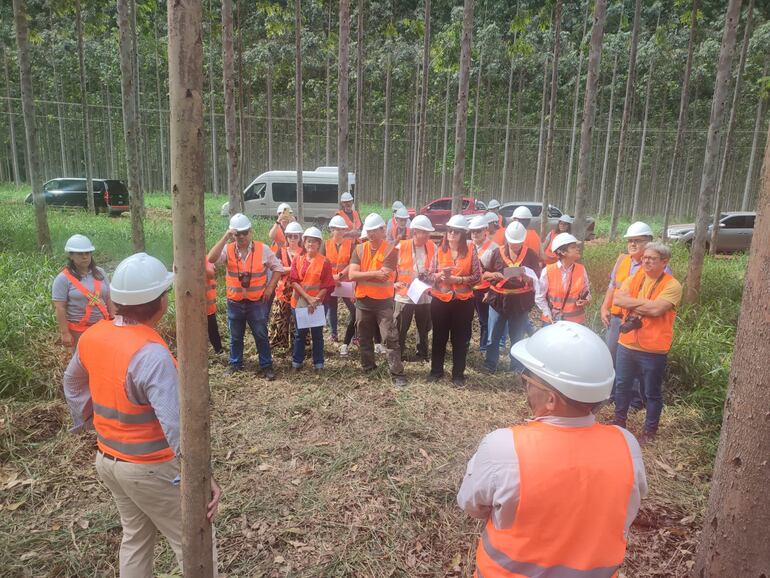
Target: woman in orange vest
column 311, row 279
column 563, row 291
column 281, row 328
column 512, row 274
column 563, row 225
column 485, row 247
column 211, row 307
column 454, row 272
column 81, row 292
column 338, row 250
column 277, row 232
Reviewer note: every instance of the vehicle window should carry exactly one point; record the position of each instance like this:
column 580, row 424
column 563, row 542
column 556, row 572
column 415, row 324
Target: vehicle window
column 480, row 206
column 553, row 212
column 285, row 192
column 51, row 186
column 320, row 193
column 441, row 205
column 116, row 186
column 255, row 191
column 466, row 202
column 507, row 211
column 749, row 224
column 535, row 209
column 734, row 222
column 71, row 185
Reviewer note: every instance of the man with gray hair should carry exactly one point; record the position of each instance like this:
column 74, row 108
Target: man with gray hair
column 648, row 300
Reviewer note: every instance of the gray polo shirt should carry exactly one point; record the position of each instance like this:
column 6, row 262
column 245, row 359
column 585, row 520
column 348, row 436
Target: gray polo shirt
column 64, row 290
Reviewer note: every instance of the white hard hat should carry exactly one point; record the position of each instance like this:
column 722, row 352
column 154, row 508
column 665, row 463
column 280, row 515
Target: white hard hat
column 515, row 233
column 362, row 236
column 458, row 222
column 565, row 218
column 314, row 232
column 337, row 222
column 293, row 228
column 396, row 206
column 423, row 223
column 402, row 213
column 522, row 212
column 478, row 222
column 493, row 204
column 491, row 217
column 561, row 240
column 139, row 279
column 373, row 221
column 585, row 374
column 346, row 197
column 79, row 244
column 240, row 222
column 638, row 229
column 283, row 207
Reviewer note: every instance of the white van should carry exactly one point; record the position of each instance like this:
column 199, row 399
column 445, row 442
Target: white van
column 270, row 189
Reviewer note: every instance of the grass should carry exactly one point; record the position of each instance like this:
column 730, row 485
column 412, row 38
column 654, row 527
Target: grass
column 334, row 476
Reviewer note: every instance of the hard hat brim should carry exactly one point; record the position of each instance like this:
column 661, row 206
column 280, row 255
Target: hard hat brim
column 140, row 297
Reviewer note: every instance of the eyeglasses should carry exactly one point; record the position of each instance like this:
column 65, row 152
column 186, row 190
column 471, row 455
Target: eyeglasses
column 242, row 233
column 636, row 241
column 293, row 236
column 453, row 232
column 652, row 259
column 530, row 381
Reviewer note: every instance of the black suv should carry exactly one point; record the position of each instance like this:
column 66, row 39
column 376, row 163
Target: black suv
column 109, row 194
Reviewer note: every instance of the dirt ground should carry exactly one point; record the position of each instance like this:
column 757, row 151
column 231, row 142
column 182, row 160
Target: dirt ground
column 332, row 475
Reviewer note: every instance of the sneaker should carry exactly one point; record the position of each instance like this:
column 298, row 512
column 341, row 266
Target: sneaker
column 380, row 349
column 355, row 341
column 333, row 338
column 458, row 381
column 343, row 350
column 232, row 369
column 647, row 437
column 268, row 374
column 295, row 367
column 434, row 377
column 399, row 381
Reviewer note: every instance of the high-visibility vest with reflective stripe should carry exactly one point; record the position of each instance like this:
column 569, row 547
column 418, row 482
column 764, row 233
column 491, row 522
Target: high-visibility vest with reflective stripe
column 656, row 333
column 486, row 246
column 549, row 256
column 557, row 298
column 211, row 289
column 393, row 226
column 93, row 299
column 253, row 264
column 499, row 237
column 310, row 279
column 406, row 269
column 124, row 429
column 280, row 289
column 499, row 287
column 280, row 239
column 622, row 271
column 575, row 484
column 369, row 261
column 355, row 223
column 462, row 268
column 339, row 257
column 532, row 242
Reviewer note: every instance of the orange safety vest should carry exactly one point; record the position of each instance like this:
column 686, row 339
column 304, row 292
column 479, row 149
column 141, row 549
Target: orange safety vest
column 353, row 225
column 406, row 269
column 481, row 285
column 550, row 256
column 499, row 287
column 532, row 242
column 254, row 265
column 280, row 239
column 211, row 289
column 94, row 300
column 499, row 237
column 656, row 333
column 558, row 300
column 373, row 262
column 339, row 258
column 622, row 271
column 310, row 279
column 124, row 429
column 575, row 484
column 462, row 268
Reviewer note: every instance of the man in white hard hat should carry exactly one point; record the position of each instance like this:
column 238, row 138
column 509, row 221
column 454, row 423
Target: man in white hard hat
column 122, row 381
column 253, row 271
column 373, row 267
column 350, row 215
column 494, row 207
column 496, row 230
column 523, row 215
column 398, row 227
column 560, row 492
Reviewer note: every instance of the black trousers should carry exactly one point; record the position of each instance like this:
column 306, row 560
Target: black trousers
column 451, row 320
column 214, row 338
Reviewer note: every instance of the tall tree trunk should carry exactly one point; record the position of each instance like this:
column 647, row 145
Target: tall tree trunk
column 755, row 138
column 298, row 145
column 710, row 160
column 504, row 176
column 736, row 528
column 212, row 117
column 84, row 107
column 28, row 110
column 143, row 184
column 617, row 191
column 11, row 123
column 161, row 107
column 461, row 123
column 60, row 115
column 327, row 100
column 541, row 135
column 130, row 124
column 342, row 96
column 113, row 165
column 589, row 113
column 231, row 138
column 241, row 91
column 684, row 104
column 416, row 135
column 359, row 134
column 728, row 142
column 608, row 140
column 575, row 104
column 386, row 142
column 642, row 146
column 551, row 120
column 269, row 97
column 185, row 58
column 421, row 194
column 517, row 142
column 446, row 136
column 476, row 112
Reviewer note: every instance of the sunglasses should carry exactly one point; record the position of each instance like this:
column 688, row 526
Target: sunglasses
column 293, row 236
column 454, row 232
column 242, row 233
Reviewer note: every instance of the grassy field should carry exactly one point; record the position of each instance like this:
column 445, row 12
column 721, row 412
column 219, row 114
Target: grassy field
column 334, row 476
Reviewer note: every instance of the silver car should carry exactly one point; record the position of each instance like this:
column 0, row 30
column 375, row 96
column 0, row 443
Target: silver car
column 736, row 229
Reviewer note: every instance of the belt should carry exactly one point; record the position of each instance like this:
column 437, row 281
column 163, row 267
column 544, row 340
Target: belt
column 110, row 457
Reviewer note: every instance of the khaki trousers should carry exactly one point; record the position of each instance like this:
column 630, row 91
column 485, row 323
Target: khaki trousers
column 366, row 322
column 149, row 500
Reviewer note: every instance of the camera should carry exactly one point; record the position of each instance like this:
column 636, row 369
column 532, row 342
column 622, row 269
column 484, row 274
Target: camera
column 245, row 279
column 632, row 323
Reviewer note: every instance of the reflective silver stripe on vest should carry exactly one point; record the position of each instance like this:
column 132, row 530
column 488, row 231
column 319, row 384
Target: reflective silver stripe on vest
column 536, row 571
column 576, row 313
column 127, row 418
column 134, row 449
column 376, row 284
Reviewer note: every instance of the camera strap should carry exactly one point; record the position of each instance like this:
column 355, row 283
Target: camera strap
column 654, row 285
column 238, row 259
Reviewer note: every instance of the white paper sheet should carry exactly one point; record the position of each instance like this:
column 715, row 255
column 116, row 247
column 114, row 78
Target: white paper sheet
column 416, row 289
column 306, row 319
column 345, row 289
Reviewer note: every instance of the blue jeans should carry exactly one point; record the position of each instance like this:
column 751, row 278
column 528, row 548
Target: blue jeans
column 516, row 328
column 332, row 305
column 611, row 339
column 255, row 313
column 298, row 350
column 649, row 369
